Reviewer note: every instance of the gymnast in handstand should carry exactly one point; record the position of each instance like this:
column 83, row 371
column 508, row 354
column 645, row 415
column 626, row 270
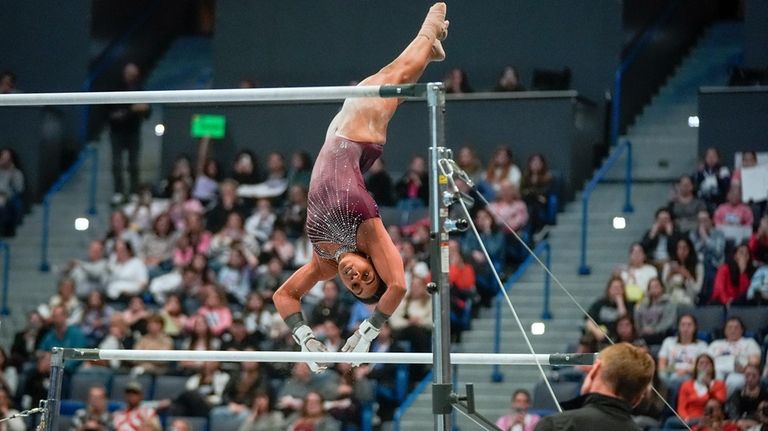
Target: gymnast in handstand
column 343, row 222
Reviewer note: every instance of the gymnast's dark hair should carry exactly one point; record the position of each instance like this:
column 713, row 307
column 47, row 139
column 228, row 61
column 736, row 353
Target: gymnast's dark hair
column 373, row 299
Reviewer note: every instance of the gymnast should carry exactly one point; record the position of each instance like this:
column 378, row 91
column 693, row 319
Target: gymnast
column 343, row 222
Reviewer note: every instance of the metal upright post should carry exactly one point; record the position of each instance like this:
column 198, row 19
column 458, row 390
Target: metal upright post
column 51, row 414
column 441, row 306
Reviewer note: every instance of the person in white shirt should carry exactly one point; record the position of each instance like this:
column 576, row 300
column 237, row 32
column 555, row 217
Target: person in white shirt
column 128, row 275
column 677, row 356
column 519, row 418
column 733, row 353
column 636, row 273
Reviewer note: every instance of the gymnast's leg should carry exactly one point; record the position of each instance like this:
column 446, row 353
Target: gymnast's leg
column 366, row 119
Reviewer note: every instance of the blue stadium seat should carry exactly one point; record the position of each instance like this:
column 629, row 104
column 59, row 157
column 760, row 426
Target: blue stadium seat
column 755, row 319
column 69, row 407
column 564, row 391
column 119, row 382
column 710, row 318
column 84, row 379
column 169, row 387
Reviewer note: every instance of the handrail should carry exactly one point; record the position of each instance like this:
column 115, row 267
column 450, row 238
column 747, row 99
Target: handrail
column 647, row 36
column 543, row 246
column 583, row 267
column 410, row 400
column 89, row 152
column 6, row 249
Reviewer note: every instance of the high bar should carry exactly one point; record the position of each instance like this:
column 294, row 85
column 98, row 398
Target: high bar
column 235, row 95
column 559, row 359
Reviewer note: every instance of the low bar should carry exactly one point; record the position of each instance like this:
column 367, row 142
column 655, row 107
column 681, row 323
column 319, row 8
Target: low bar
column 235, row 95
column 327, row 357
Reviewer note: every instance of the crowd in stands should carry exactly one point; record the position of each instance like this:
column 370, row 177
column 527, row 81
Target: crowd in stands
column 193, row 262
column 693, row 292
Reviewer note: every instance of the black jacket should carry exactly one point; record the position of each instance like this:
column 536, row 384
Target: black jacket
column 591, row 412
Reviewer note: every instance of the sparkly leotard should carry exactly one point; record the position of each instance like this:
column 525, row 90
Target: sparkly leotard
column 338, row 200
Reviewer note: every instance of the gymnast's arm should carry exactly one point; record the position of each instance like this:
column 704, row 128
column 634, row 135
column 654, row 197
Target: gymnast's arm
column 387, row 261
column 287, row 298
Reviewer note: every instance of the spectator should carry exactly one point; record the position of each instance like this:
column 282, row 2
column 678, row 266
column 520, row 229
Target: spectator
column 135, row 417
column 204, row 390
column 154, row 339
column 733, row 278
column 95, row 410
column 258, row 319
column 743, row 403
column 519, row 418
column 9, row 375
column 470, row 163
column 142, row 211
column 461, row 277
column 313, row 416
column 136, row 314
column 200, row 337
column 96, row 316
column 228, row 203
column 696, row 392
column 215, row 311
column 8, row 82
column 235, row 277
column 119, row 228
column 241, row 391
column 329, row 307
column 655, row 314
column 267, row 283
column 181, row 171
column 733, row 217
column 293, row 216
column 11, row 190
column 276, row 169
column 714, row 418
column 659, row 240
column 710, row 249
column 385, row 375
column 174, row 318
column 118, row 337
column 180, row 425
column 195, row 241
column 508, row 209
column 128, row 274
column 233, row 236
column 262, row 416
column 7, row 410
column 182, row 204
column 536, row 187
column 279, row 247
column 379, row 183
column 494, row 244
column 733, row 353
column 62, row 335
column 748, row 160
column 355, row 389
column 413, row 264
column 509, row 80
column 65, row 297
column 300, row 170
column 685, row 206
column 302, row 382
column 125, row 126
column 457, row 82
column 637, row 273
column 332, row 333
column 712, row 179
column 501, row 168
column 27, row 339
column 412, row 320
column 245, row 168
column 412, row 190
column 90, row 274
column 262, row 221
column 758, row 287
column 683, row 274
column 607, row 310
column 158, row 245
column 206, row 184
column 758, row 243
column 37, row 382
column 304, row 252
column 677, row 356
column 237, row 337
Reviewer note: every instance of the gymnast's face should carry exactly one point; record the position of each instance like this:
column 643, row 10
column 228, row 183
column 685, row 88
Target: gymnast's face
column 358, row 274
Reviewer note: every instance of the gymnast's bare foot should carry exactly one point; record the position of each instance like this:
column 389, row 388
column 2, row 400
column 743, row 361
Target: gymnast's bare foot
column 435, row 24
column 438, row 53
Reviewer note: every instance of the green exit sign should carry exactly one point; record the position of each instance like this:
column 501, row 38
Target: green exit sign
column 208, row 126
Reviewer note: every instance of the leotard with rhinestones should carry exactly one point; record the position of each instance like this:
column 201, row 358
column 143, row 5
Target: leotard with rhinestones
column 338, row 201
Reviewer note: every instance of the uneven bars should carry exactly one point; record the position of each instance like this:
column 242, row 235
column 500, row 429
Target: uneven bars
column 558, row 359
column 214, row 96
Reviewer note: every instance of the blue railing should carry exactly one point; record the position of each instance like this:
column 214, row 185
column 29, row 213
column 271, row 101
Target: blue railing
column 542, row 247
column 89, row 152
column 409, row 400
column 6, row 250
column 646, row 38
column 583, row 267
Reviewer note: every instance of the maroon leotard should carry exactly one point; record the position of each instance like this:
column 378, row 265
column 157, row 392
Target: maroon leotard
column 338, row 200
